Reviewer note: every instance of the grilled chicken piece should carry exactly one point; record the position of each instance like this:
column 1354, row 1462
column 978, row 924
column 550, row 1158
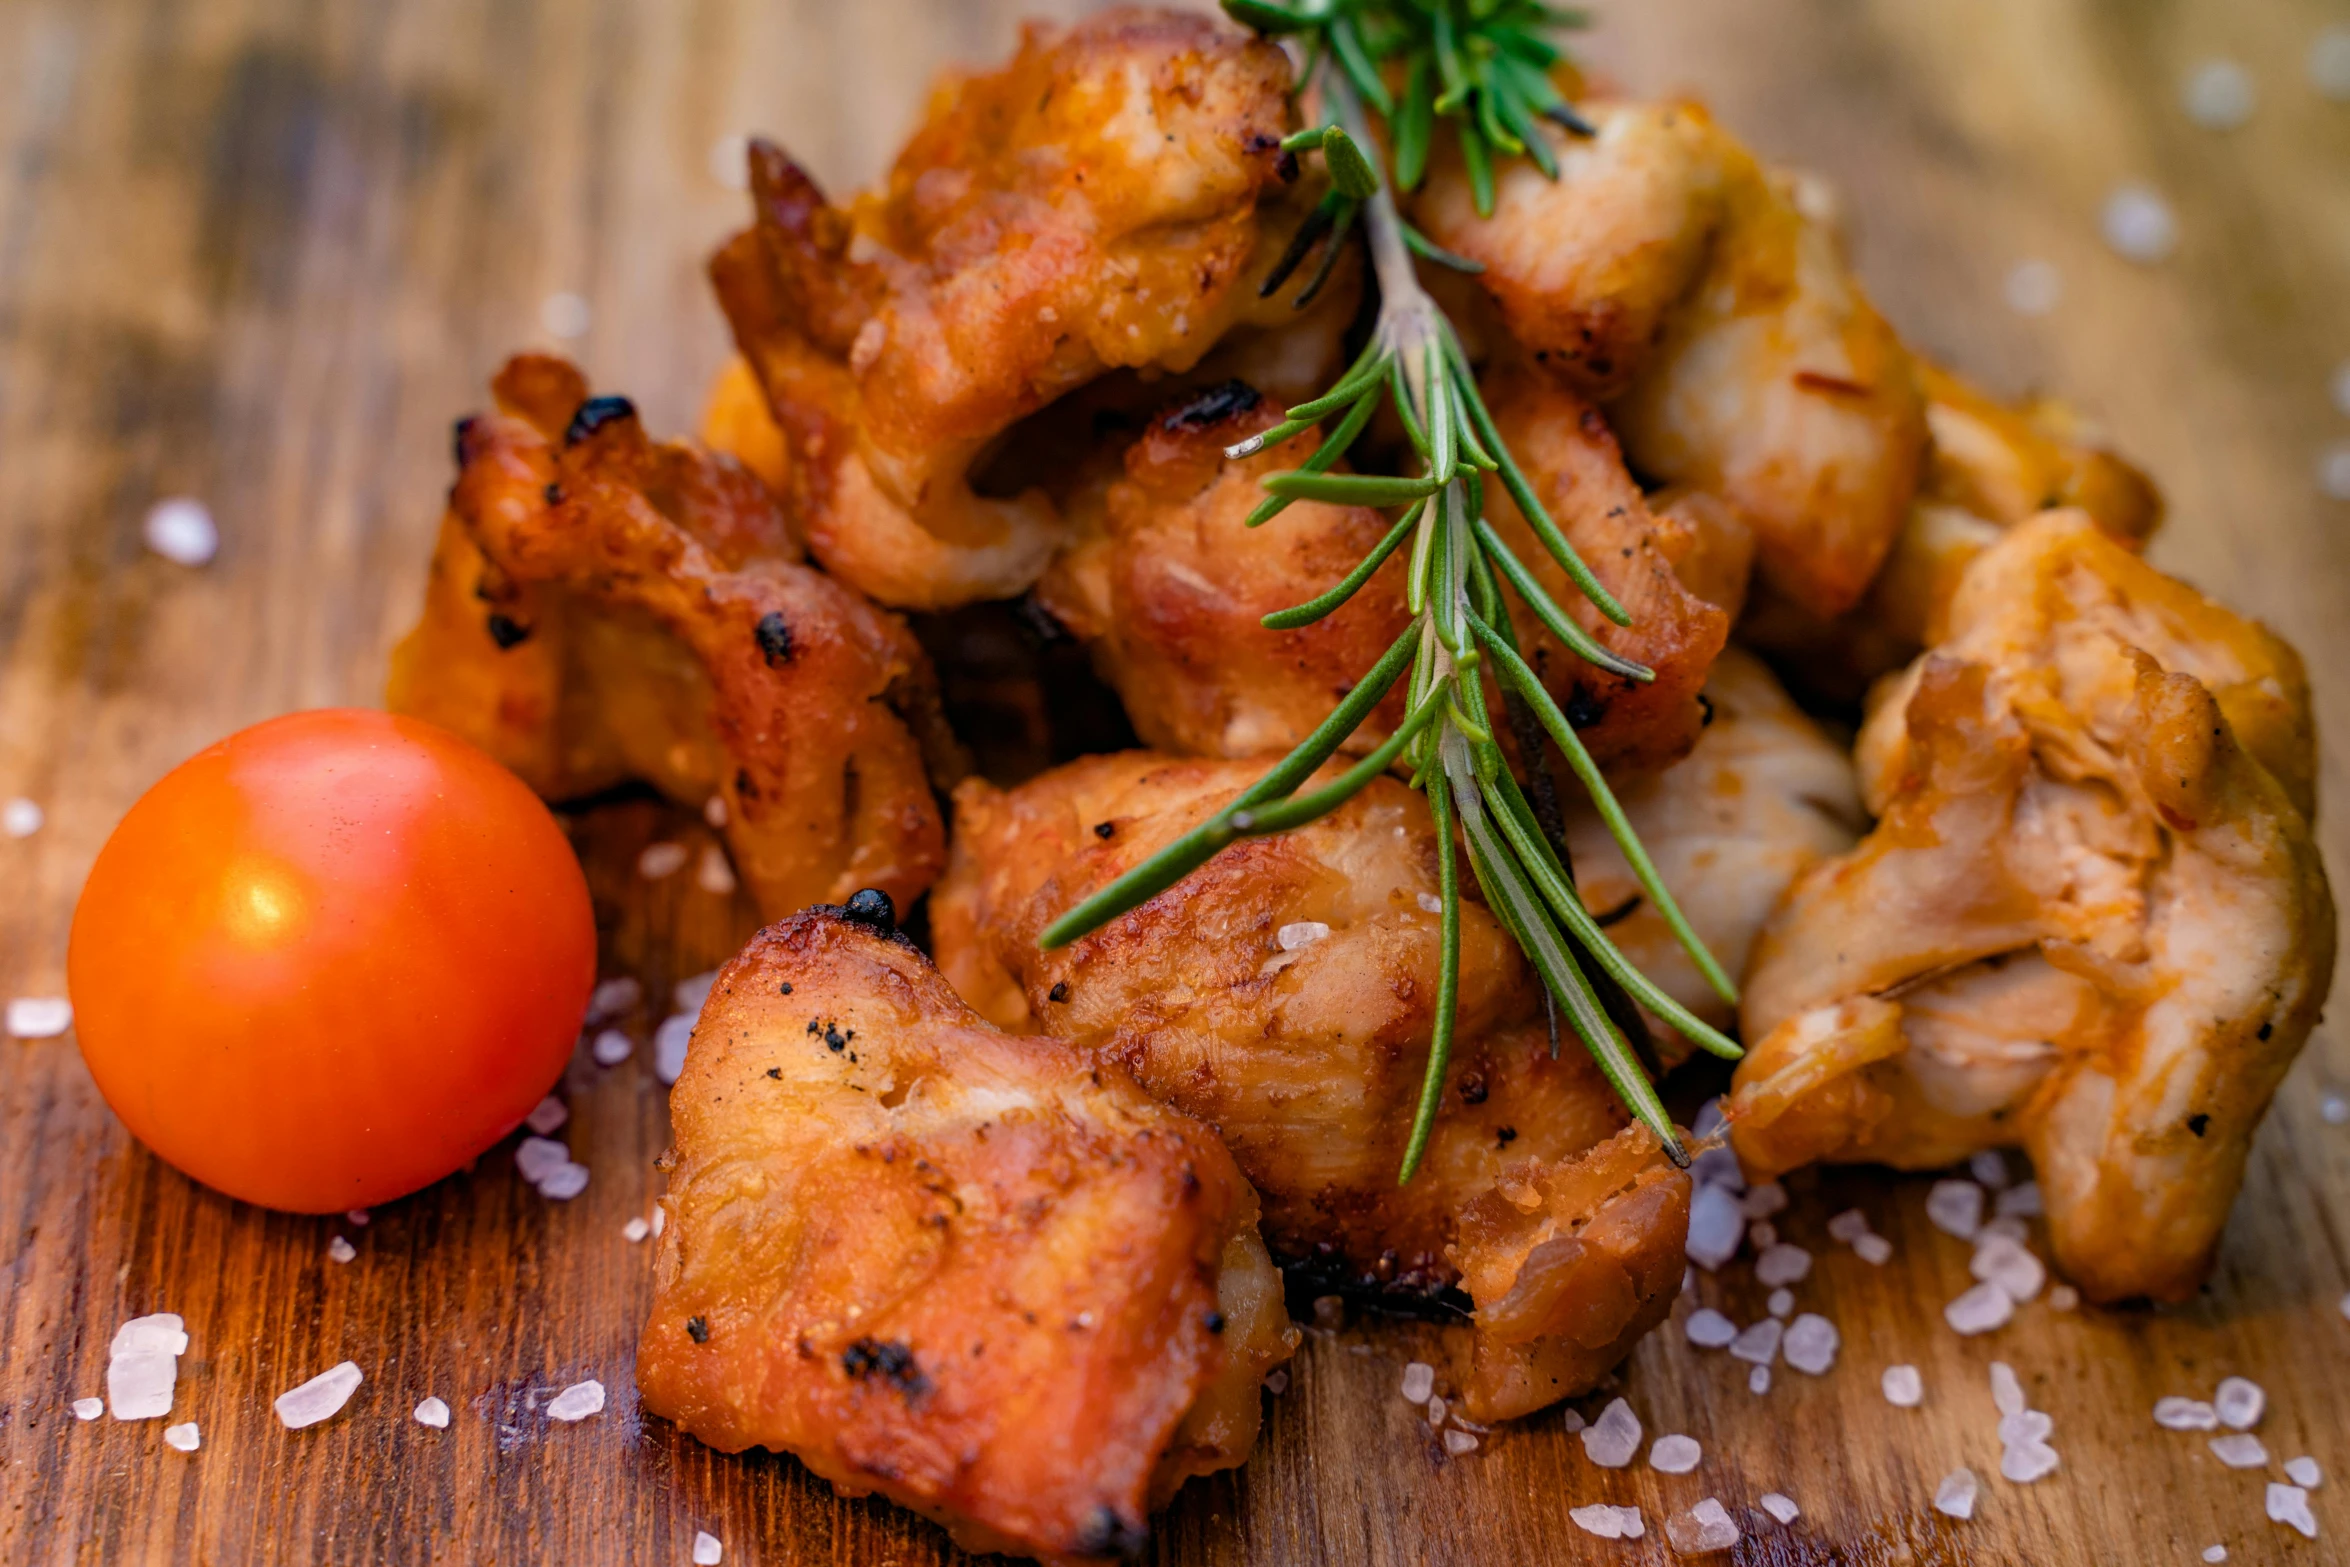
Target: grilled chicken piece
column 603, row 608
column 1106, row 200
column 1763, row 798
column 979, row 1274
column 2091, row 920
column 1667, row 272
column 1285, row 993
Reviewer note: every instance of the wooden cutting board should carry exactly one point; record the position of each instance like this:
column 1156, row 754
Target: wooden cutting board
column 262, row 251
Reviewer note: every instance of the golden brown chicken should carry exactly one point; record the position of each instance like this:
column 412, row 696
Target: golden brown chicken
column 2091, row 920
column 982, row 1275
column 1285, row 994
column 603, row 608
column 1106, row 200
column 1669, row 273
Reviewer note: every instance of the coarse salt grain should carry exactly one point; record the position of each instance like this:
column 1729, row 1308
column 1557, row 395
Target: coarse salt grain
column 1761, row 1202
column 2063, row 1298
column 1762, row 1235
column 2033, row 287
column 161, row 1332
column 340, row 1250
column 320, row 1398
column 708, row 1552
column 661, row 860
column 1980, row 1310
column 614, row 996
column 20, row 818
column 2021, row 1201
column 2006, row 1392
column 358, row 1216
column 2185, row 1414
column 1277, row 1381
column 2024, row 1462
column 2138, row 223
column 566, row 1181
column 182, row 531
column 1611, row 1441
column 1874, row 1250
column 2239, row 1450
column 1811, row 1344
column 2334, row 1109
column 1718, row 1167
column 1709, row 1329
column 714, row 810
column 432, row 1412
column 715, row 873
column 660, row 1219
column 577, row 1401
column 1988, row 1167
column 539, row 1157
column 1599, row 1519
column 1758, row 1343
column 1431, row 904
column 1782, row 1264
column 39, row 1017
column 185, row 1437
column 2329, row 62
column 1781, row 1507
column 1956, row 1207
column 1758, row 1380
column 612, row 1047
column 2010, row 1267
column 1459, row 1442
column 547, row 1116
column 1904, row 1388
column 88, row 1408
column 2239, row 1403
column 1848, row 1226
column 2303, row 1472
column 2219, row 95
column 2005, row 1227
column 636, row 1230
column 1628, row 1518
column 1955, row 1496
column 2289, row 1505
column 140, row 1382
column 669, row 1046
column 1781, row 1303
column 1435, row 1410
column 1419, row 1380
column 1703, row 1529
column 2215, row 1553
column 564, row 314
column 1715, row 1227
column 2026, row 1425
column 1304, row 933
column 1674, row 1455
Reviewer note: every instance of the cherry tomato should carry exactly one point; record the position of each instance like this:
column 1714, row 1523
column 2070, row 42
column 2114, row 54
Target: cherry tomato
column 331, row 959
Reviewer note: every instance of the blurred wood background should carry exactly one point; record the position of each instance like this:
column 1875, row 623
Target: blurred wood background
column 262, row 251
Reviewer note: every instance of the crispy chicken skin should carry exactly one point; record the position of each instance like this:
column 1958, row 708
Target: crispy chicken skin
column 603, row 607
column 977, row 1273
column 1308, row 1058
column 1100, row 202
column 2090, row 921
column 1168, row 587
column 1669, row 273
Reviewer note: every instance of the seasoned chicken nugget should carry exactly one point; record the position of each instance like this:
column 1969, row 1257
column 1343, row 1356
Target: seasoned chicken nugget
column 603, row 608
column 980, row 1274
column 2091, row 921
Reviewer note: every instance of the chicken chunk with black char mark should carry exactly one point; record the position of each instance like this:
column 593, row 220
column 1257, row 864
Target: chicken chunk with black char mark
column 979, row 1273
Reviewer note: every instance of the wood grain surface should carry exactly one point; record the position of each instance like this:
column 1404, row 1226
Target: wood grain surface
column 262, row 251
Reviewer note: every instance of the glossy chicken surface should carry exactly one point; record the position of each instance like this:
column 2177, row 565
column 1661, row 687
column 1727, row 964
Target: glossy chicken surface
column 603, row 607
column 1106, row 200
column 1669, row 273
column 2091, row 920
column 980, row 1274
column 1285, row 994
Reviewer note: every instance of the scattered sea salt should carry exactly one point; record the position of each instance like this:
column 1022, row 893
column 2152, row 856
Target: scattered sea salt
column 1431, row 904
column 612, row 1047
column 1704, row 1528
column 2219, row 96
column 20, row 818
column 1758, row 1343
column 2005, row 1227
column 2063, row 1298
column 1599, row 1519
column 2010, row 1267
column 2026, row 1425
column 1980, row 1309
column 1812, row 1342
column 669, row 1046
column 614, row 996
column 2021, row 1201
column 1435, row 1410
column 2303, row 1472
column 1304, row 933
column 1709, row 1329
column 714, row 810
column 2025, row 1462
column 2334, row 1108
column 2329, row 62
column 2185, row 1414
column 2239, row 1450
column 1904, row 1388
column 1848, row 1226
column 2215, row 1553
column 2006, row 1392
column 1614, row 1438
column 714, row 873
column 1873, row 1249
column 184, row 1437
column 660, row 860
column 707, row 1551
column 162, row 1332
column 1419, row 1380
column 2138, row 223
column 1956, row 1207
column 636, row 1230
column 142, row 1368
column 1781, row 1303
column 564, row 314
column 1988, row 1167
column 577, row 1401
column 2333, row 470
column 432, row 1412
column 660, row 1218
column 320, row 1398
column 1955, row 1496
column 39, row 1017
column 547, row 1116
column 88, row 1408
column 1758, row 1380
column 181, row 531
column 1761, row 1202
column 2034, row 287
column 1718, row 1167
column 564, row 1182
column 1277, row 1381
column 539, row 1157
column 1782, row 1508
column 1630, row 1518
column 358, row 1216
column 1715, row 1227
column 340, row 1250
column 2289, row 1505
column 1782, row 1264
column 2239, row 1403
column 1459, row 1442
column 1674, row 1455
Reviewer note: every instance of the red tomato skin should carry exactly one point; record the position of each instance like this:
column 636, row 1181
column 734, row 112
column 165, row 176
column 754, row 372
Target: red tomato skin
column 331, row 959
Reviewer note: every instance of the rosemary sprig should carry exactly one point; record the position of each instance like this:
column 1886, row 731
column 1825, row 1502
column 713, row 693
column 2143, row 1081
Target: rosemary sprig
column 1481, row 67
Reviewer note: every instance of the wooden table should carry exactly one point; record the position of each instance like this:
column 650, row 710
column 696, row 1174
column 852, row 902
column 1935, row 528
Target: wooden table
column 261, row 252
